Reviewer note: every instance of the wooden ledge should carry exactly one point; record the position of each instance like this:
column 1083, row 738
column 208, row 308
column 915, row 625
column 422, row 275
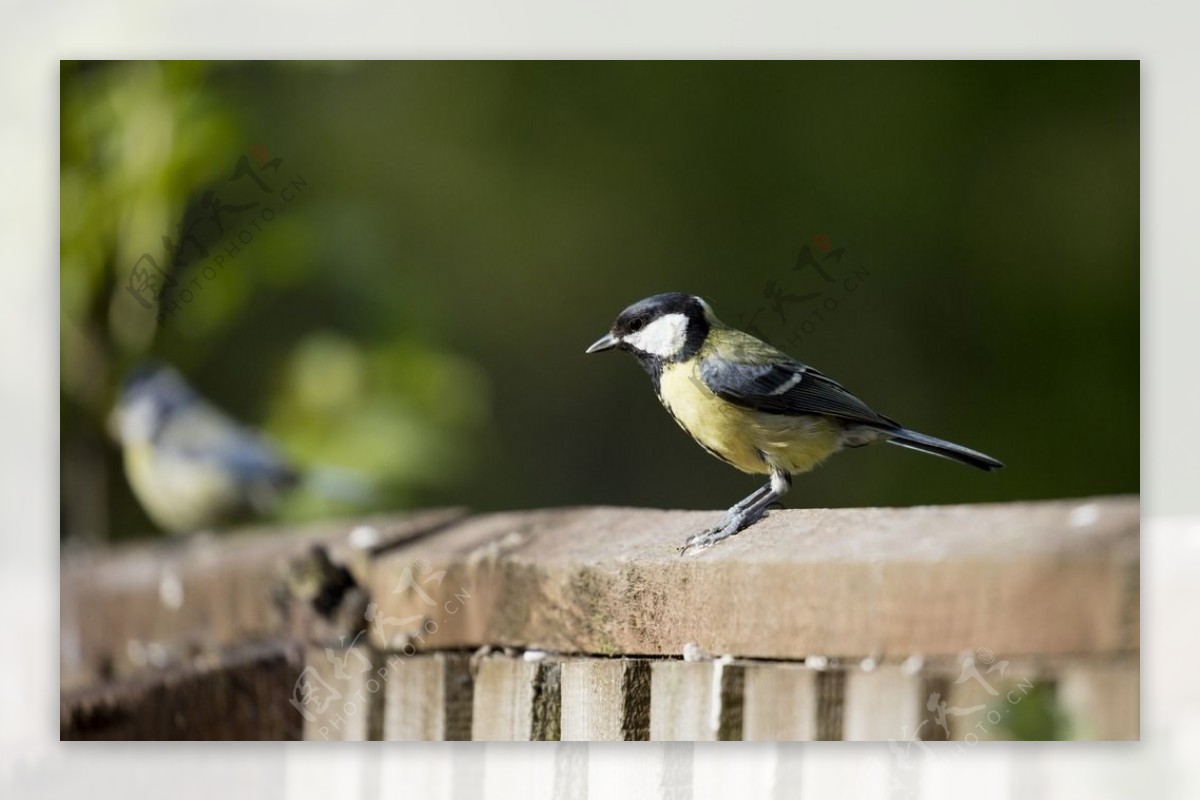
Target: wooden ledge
column 1042, row 578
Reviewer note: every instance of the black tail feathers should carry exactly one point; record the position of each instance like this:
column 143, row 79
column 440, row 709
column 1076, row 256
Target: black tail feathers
column 924, row 443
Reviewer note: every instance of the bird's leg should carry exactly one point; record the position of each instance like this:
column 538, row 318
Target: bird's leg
column 749, row 510
column 744, row 504
column 780, row 484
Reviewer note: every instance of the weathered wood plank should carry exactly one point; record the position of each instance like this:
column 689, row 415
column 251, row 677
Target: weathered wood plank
column 883, row 704
column 605, row 699
column 516, row 699
column 831, row 703
column 340, row 694
column 241, row 695
column 1047, row 578
column 135, row 607
column 429, row 697
column 780, row 702
column 696, row 701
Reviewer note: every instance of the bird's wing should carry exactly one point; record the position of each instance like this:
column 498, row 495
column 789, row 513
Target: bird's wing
column 204, row 433
column 785, row 388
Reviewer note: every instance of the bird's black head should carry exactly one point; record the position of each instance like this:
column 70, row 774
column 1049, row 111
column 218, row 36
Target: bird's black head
column 659, row 329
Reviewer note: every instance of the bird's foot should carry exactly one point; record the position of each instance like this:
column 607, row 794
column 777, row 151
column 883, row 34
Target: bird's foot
column 730, row 524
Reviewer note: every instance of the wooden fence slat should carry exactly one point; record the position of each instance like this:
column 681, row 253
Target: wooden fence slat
column 831, row 701
column 516, row 699
column 882, row 704
column 339, row 693
column 780, row 702
column 605, row 699
column 428, row 697
column 696, row 701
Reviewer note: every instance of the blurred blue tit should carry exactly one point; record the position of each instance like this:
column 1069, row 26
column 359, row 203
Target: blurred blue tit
column 190, row 465
column 750, row 405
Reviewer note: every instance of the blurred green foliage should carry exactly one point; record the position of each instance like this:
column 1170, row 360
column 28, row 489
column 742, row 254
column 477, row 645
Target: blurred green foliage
column 1034, row 715
column 463, row 230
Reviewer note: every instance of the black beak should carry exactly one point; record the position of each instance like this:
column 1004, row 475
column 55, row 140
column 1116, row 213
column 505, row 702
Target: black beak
column 606, row 342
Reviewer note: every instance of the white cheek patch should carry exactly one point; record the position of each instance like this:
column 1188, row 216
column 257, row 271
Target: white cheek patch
column 663, row 338
column 136, row 422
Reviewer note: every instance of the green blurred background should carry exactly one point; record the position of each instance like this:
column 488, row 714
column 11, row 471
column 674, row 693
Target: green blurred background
column 458, row 233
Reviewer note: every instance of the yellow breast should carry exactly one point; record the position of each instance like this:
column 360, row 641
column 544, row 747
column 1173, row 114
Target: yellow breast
column 179, row 494
column 751, row 441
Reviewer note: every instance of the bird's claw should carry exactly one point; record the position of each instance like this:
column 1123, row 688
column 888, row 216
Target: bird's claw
column 731, row 524
column 696, row 542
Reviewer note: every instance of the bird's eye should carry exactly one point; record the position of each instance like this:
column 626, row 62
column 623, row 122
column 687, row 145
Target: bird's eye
column 636, row 325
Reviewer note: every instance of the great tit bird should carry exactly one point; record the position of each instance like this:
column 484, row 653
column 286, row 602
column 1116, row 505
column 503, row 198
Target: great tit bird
column 751, row 405
column 191, row 466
